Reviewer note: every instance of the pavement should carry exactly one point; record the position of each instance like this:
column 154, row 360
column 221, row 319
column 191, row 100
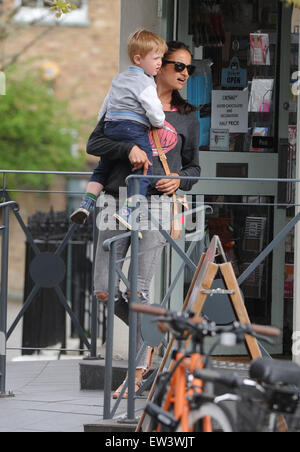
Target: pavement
column 47, row 398
column 47, row 395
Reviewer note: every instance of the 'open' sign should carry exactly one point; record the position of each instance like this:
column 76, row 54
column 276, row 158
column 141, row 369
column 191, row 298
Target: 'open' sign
column 234, row 76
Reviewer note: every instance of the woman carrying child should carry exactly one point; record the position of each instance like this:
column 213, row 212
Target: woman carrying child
column 180, row 142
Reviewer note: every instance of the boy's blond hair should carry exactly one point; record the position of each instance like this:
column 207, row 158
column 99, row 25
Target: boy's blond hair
column 142, row 41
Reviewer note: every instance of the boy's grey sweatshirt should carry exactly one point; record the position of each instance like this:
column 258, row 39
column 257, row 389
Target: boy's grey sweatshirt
column 133, row 96
column 180, row 142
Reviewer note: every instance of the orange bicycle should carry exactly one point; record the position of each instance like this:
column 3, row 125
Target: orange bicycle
column 182, row 401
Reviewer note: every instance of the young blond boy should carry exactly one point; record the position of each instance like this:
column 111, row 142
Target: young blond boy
column 130, row 108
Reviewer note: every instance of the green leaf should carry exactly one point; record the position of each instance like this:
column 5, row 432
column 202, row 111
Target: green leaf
column 62, row 7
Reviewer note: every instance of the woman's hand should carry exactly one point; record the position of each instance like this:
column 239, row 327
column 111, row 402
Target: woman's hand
column 168, row 186
column 138, row 159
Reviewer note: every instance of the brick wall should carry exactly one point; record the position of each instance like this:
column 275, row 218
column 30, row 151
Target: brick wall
column 87, row 57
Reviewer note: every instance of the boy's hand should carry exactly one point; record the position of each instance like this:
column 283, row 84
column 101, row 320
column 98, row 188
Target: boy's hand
column 138, row 159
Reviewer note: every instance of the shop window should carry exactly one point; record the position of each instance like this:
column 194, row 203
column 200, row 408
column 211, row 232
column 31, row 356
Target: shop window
column 235, row 73
column 244, row 225
column 37, row 12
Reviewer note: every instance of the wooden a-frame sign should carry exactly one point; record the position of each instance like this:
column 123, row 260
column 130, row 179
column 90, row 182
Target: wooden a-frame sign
column 198, row 292
column 204, row 277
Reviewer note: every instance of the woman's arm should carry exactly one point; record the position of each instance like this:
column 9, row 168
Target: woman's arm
column 101, row 146
column 168, row 186
column 190, row 154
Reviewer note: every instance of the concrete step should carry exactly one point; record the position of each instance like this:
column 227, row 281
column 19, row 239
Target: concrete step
column 110, row 426
column 92, row 373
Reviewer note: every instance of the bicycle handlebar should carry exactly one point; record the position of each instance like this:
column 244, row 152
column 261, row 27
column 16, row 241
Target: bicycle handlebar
column 162, row 312
column 265, row 330
column 148, row 309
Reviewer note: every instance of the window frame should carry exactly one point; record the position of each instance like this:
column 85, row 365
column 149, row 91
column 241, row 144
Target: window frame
column 40, row 15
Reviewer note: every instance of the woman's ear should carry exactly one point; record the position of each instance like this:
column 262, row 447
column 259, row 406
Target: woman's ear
column 137, row 59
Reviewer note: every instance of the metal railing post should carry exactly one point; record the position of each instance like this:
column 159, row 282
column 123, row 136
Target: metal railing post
column 110, row 330
column 132, row 314
column 3, row 297
column 94, row 305
column 110, row 245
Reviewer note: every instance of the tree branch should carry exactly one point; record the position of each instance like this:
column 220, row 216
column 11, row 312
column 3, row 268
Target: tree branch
column 15, row 58
column 60, row 6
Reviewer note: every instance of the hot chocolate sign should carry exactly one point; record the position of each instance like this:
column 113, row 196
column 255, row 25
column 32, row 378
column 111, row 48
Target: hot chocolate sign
column 230, row 110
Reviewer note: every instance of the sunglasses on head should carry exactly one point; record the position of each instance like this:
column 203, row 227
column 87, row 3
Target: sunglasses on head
column 180, row 67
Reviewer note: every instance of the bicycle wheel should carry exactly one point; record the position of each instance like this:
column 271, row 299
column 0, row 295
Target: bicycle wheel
column 221, row 418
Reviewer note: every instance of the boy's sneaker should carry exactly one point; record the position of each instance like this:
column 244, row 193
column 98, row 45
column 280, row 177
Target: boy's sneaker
column 87, row 205
column 80, row 216
column 124, row 217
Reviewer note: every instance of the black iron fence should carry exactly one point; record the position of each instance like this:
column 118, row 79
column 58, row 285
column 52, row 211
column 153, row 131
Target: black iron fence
column 58, row 280
column 44, row 322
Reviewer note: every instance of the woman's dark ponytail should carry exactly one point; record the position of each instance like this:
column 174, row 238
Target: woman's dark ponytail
column 182, row 105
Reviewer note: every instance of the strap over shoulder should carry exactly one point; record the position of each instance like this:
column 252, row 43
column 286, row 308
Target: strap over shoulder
column 161, row 153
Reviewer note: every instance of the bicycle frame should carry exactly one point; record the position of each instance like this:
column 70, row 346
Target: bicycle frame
column 184, row 383
column 181, row 389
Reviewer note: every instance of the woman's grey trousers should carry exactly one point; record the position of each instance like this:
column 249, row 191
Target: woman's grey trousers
column 150, row 249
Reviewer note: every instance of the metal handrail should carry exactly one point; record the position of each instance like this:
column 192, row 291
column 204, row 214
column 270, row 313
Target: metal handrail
column 107, row 244
column 58, row 173
column 10, row 204
column 135, row 176
column 223, row 179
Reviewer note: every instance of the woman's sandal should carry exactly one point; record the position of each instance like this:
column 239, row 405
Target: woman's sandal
column 138, row 385
column 151, row 353
column 146, row 373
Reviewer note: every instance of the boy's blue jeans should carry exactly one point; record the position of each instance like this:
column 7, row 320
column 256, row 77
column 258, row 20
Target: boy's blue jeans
column 131, row 132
